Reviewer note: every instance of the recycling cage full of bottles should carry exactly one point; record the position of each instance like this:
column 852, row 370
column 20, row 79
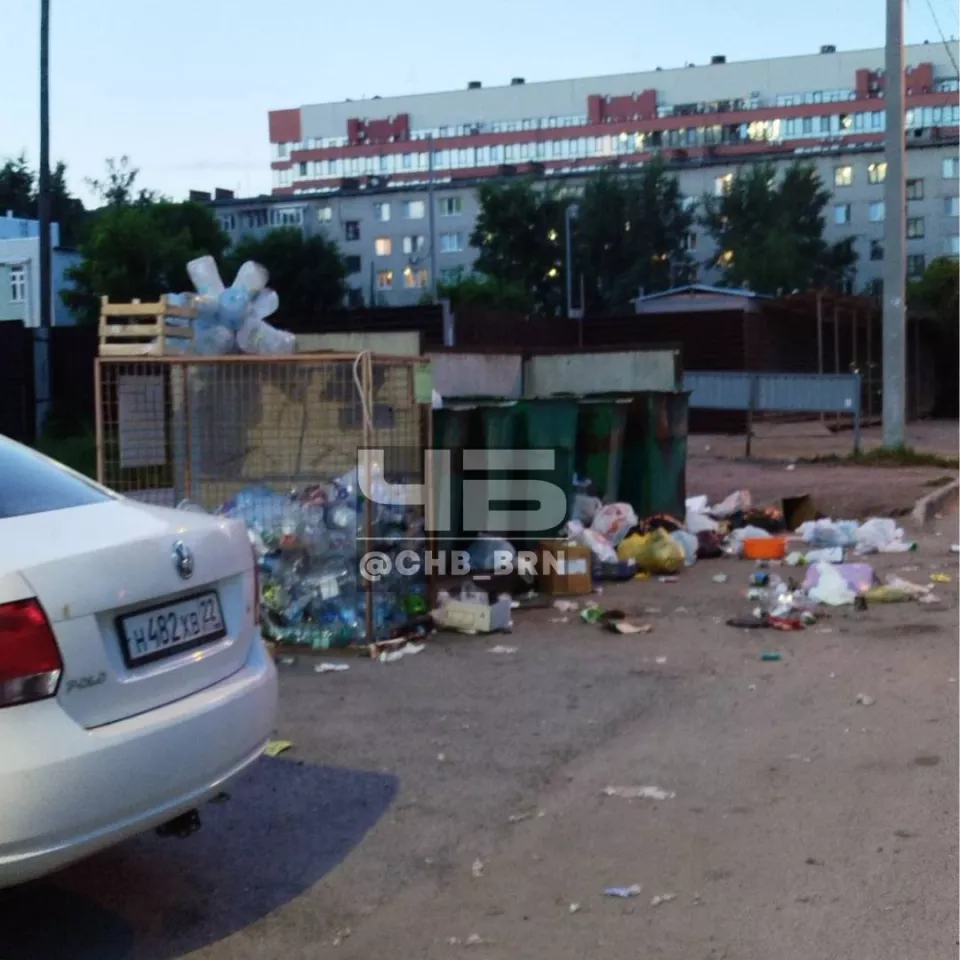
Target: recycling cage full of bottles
column 279, row 442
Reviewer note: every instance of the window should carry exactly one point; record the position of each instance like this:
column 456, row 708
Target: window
column 384, row 279
column 877, row 212
column 18, row 284
column 721, row 185
column 324, row 214
column 383, row 246
column 351, row 229
column 689, row 241
column 876, row 172
column 951, row 168
column 842, row 176
column 414, row 209
column 951, row 246
column 302, row 170
column 354, row 264
column 915, row 264
column 914, row 228
column 451, row 274
column 414, row 279
column 33, row 485
column 412, row 244
column 450, row 206
column 841, row 213
column 228, row 222
column 381, row 212
column 876, row 250
column 951, row 206
column 451, row 242
column 875, row 287
column 915, row 189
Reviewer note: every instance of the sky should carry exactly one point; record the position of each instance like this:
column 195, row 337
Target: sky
column 183, row 87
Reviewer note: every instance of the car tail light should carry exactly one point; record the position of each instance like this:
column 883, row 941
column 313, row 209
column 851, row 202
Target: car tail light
column 30, row 663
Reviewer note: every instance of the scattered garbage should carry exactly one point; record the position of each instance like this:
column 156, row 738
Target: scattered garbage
column 624, row 892
column 689, row 544
column 474, row 940
column 408, row 650
column 331, row 667
column 573, row 908
column 639, row 793
column 940, row 578
column 473, row 612
column 565, row 606
column 662, row 898
column 770, row 657
column 502, row 649
column 719, row 578
column 275, row 747
column 653, row 553
column 477, row 869
column 865, row 701
column 837, row 585
column 613, row 522
column 625, row 627
column 521, row 817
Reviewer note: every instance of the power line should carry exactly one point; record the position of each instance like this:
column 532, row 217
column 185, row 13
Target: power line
column 943, row 39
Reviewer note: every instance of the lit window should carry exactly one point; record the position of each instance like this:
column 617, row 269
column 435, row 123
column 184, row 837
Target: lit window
column 414, row 279
column 726, row 258
column 414, row 210
column 914, row 228
column 841, row 213
column 915, row 189
column 18, row 285
column 876, row 172
column 324, row 214
column 412, row 244
column 876, row 250
column 381, row 212
column 451, row 242
column 721, row 185
column 916, row 262
column 351, row 230
column 951, row 206
column 450, row 206
column 383, row 246
column 951, row 168
column 877, row 212
column 842, row 176
column 384, row 279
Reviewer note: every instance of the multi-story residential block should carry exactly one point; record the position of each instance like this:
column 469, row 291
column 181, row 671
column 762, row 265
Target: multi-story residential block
column 370, row 167
column 20, row 272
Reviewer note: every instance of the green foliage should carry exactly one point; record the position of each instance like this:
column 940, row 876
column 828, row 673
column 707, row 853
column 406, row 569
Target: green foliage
column 309, row 274
column 630, row 233
column 116, row 189
column 519, row 235
column 479, row 290
column 769, row 232
column 19, row 186
column 937, row 292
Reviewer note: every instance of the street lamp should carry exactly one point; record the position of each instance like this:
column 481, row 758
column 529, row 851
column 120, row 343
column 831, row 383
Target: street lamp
column 43, row 189
column 568, row 215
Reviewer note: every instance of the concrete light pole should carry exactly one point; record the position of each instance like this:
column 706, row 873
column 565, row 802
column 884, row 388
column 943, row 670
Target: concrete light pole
column 43, row 204
column 568, row 215
column 895, row 228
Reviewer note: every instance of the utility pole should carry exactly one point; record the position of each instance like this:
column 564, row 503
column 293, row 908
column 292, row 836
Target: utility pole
column 569, row 213
column 43, row 205
column 895, row 219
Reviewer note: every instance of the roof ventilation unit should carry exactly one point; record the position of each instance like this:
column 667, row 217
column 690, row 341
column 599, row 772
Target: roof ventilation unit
column 718, row 58
column 517, row 82
column 474, row 85
column 828, row 48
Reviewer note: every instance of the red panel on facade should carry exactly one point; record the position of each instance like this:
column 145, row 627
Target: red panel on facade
column 285, row 126
column 918, row 80
column 642, row 106
column 378, row 131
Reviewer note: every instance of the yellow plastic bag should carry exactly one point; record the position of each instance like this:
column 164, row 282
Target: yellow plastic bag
column 656, row 553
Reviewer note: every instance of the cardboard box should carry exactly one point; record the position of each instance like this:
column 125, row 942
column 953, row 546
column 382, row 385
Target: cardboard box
column 563, row 568
column 470, row 616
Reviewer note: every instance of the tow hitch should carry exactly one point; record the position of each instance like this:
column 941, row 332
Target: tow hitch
column 183, row 826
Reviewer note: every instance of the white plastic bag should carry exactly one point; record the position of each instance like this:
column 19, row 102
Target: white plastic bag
column 697, row 519
column 738, row 500
column 880, row 535
column 614, row 521
column 599, row 546
column 829, row 533
column 688, row 543
column 830, row 588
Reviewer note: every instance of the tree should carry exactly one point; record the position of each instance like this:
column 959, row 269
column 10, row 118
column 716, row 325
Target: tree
column 631, row 233
column 65, row 209
column 117, row 187
column 17, row 188
column 479, row 290
column 519, row 235
column 309, row 274
column 937, row 293
column 769, row 232
column 19, row 194
column 140, row 251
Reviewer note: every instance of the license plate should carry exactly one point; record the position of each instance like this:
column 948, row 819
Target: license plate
column 170, row 628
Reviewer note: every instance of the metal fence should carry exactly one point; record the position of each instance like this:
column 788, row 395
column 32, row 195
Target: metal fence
column 755, row 393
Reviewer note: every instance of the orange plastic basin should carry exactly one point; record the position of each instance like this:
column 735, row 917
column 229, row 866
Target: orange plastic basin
column 765, row 548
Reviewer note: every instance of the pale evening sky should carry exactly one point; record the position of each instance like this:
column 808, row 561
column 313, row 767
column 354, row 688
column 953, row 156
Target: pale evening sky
column 183, row 87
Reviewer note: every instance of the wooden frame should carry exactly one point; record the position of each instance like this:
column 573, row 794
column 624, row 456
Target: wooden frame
column 121, row 338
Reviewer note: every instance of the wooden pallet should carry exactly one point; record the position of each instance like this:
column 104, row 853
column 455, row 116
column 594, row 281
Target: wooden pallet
column 142, row 329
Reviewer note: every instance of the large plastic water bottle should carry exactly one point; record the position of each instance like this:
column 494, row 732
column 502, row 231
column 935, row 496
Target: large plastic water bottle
column 205, row 276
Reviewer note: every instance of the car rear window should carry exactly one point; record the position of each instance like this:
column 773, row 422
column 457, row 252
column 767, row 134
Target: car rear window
column 31, row 484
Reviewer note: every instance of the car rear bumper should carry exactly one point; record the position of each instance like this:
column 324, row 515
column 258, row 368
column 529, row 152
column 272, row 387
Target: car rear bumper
column 66, row 792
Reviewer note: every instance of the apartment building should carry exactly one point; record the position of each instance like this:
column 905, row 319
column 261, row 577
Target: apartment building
column 369, row 167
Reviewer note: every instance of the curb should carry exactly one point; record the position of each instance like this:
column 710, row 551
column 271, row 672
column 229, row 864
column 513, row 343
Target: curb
column 926, row 507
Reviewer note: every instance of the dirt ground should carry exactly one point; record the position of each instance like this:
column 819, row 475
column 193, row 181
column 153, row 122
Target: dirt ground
column 452, row 803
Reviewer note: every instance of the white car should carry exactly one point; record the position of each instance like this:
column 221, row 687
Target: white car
column 134, row 683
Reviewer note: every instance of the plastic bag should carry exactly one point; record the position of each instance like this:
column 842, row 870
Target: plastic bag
column 829, row 533
column 689, row 544
column 614, row 521
column 838, row 584
column 658, row 553
column 697, row 519
column 491, row 554
column 880, row 535
column 739, row 500
column 599, row 545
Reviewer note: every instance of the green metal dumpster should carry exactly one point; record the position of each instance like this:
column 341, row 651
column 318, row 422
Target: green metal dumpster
column 599, row 452
column 653, row 475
